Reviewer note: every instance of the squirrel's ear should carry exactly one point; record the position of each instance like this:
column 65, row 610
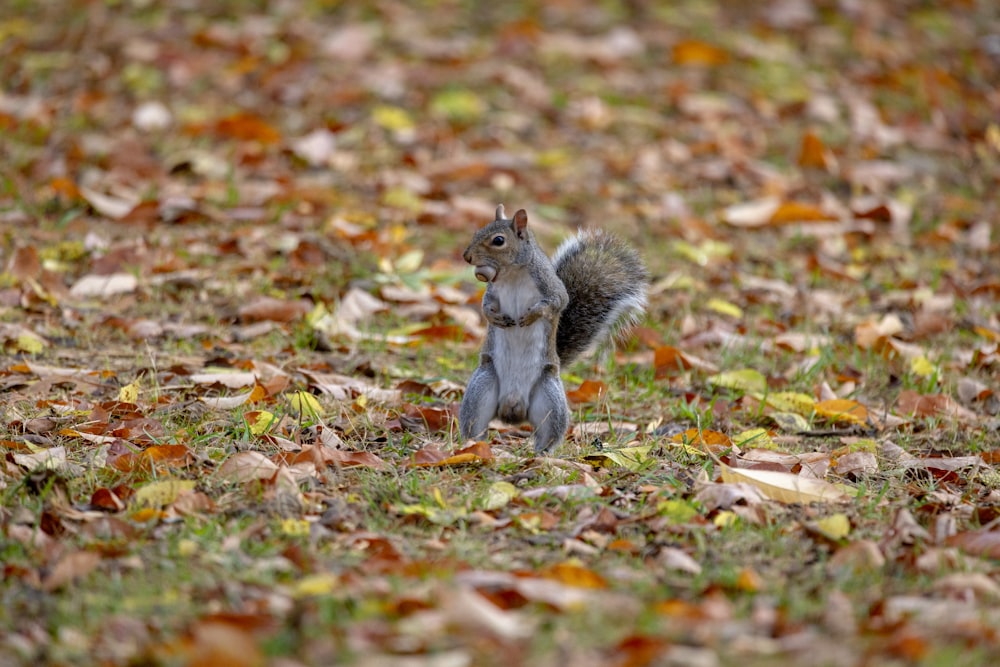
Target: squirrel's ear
column 520, row 222
column 500, row 213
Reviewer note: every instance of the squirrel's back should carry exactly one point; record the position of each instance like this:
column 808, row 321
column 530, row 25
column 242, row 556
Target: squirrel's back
column 606, row 282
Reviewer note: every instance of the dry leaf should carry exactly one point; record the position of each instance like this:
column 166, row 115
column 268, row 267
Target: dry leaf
column 786, row 487
column 247, row 466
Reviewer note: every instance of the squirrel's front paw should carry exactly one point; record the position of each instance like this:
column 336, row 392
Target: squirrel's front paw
column 503, row 321
column 529, row 318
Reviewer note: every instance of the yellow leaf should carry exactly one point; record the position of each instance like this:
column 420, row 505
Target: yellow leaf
column 317, row 314
column 745, row 380
column 755, row 438
column 725, row 518
column 922, row 366
column 786, row 487
column 630, row 458
column 164, row 492
column 499, row 495
column 409, row 262
column 702, row 253
column 677, row 511
column 187, row 548
column 724, row 308
column 261, row 421
column 553, row 157
column 30, row 343
column 792, row 401
column 295, row 527
column 790, row 422
column 842, row 410
column 436, row 515
column 392, row 118
column 457, row 105
column 322, row 583
column 129, row 393
column 439, row 498
column 834, row 527
column 403, row 198
column 305, row 404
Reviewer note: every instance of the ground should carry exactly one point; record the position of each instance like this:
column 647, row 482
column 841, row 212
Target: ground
column 236, row 327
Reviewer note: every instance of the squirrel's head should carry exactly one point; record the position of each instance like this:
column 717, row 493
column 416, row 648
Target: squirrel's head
column 497, row 245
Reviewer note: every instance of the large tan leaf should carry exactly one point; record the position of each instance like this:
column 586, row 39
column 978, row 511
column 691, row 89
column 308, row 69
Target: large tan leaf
column 786, row 487
column 246, row 466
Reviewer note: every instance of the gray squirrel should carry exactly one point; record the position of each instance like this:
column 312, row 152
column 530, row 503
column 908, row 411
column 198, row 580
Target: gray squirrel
column 543, row 313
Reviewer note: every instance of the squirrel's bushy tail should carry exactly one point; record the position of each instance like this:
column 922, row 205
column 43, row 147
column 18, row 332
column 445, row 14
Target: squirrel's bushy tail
column 606, row 281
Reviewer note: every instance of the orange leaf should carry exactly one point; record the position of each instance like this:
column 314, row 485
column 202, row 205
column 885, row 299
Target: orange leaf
column 812, row 154
column 170, row 453
column 589, row 391
column 842, row 410
column 106, row 499
column 710, row 441
column 65, row 187
column 436, row 419
column 790, row 212
column 247, row 127
column 694, row 52
column 478, row 452
column 668, row 360
column 448, row 332
column 574, row 575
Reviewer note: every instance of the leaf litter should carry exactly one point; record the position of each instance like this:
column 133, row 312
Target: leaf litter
column 235, row 323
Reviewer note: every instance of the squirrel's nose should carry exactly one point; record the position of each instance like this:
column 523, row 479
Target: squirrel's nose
column 467, row 256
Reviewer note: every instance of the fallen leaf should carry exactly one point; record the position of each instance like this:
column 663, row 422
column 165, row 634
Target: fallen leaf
column 745, row 380
column 161, row 493
column 630, row 458
column 94, row 286
column 838, row 410
column 69, row 568
column 786, row 487
column 694, row 52
column 246, row 466
column 588, row 392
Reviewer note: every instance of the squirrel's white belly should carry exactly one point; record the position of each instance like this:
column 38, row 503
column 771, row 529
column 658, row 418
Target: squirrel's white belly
column 519, row 358
column 519, row 353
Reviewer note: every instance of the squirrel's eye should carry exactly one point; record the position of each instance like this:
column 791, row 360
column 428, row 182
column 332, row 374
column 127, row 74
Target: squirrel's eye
column 498, row 240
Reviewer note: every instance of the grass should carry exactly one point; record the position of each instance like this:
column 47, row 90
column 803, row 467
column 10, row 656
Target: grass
column 587, row 564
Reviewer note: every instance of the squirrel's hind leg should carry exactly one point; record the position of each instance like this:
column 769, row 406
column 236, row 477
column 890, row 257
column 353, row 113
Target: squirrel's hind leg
column 479, row 405
column 548, row 412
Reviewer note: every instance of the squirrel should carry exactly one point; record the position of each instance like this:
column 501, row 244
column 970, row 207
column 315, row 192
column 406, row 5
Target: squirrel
column 542, row 313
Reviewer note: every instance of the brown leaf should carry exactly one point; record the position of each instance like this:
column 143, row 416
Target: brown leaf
column 273, row 310
column 107, row 500
column 588, row 392
column 977, row 542
column 247, row 466
column 247, row 127
column 24, row 263
column 71, row 567
column 913, row 403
